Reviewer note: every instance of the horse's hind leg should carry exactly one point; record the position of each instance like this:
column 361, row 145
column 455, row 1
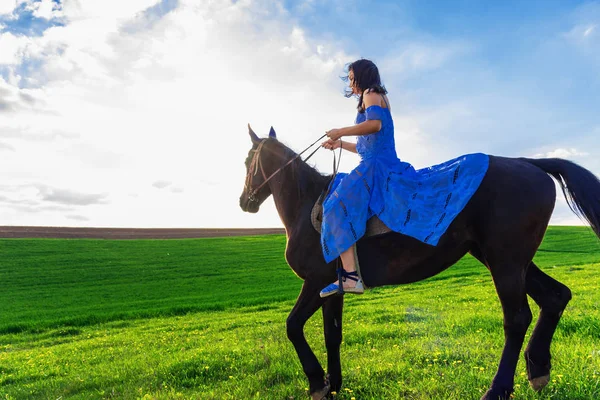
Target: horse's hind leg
column 509, row 279
column 552, row 297
column 332, row 322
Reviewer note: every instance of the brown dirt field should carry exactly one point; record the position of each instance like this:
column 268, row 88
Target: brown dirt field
column 128, row 233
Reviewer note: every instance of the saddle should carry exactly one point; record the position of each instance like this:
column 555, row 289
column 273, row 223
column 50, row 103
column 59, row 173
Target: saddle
column 375, row 226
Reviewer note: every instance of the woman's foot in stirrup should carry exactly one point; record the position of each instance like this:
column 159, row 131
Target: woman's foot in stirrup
column 330, row 290
column 352, row 284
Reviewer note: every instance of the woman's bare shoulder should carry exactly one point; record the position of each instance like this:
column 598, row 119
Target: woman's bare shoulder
column 372, row 98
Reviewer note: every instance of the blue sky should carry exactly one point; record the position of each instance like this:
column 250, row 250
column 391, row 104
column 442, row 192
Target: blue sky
column 520, row 61
column 133, row 113
column 24, row 20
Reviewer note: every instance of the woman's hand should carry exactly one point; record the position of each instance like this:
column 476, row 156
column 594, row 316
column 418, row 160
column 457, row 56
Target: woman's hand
column 332, row 144
column 334, row 134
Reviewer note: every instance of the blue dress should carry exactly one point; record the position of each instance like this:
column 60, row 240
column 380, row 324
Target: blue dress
column 418, row 203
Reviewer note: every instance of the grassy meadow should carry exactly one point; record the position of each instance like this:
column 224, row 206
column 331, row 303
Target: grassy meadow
column 205, row 319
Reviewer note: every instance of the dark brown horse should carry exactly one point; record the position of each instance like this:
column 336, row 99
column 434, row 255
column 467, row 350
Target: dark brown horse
column 502, row 226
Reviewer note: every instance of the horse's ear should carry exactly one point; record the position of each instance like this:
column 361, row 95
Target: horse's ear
column 272, row 133
column 253, row 136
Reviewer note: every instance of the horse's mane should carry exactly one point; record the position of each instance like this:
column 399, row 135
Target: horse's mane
column 307, row 176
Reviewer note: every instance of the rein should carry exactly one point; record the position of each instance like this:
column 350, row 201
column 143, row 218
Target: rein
column 255, row 164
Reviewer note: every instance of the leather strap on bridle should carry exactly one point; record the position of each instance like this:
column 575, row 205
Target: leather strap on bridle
column 255, row 164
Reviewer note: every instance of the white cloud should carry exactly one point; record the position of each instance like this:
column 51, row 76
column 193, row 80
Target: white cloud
column 562, row 153
column 7, row 6
column 12, row 48
column 46, row 9
column 118, row 100
column 582, row 33
column 405, row 59
column 122, row 107
column 161, row 184
column 6, row 147
column 109, row 9
column 78, row 218
column 69, row 197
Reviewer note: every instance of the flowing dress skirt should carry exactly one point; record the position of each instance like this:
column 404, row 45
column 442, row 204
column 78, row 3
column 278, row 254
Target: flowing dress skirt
column 418, row 203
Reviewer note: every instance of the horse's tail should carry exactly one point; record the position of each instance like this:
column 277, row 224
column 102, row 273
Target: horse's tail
column 580, row 187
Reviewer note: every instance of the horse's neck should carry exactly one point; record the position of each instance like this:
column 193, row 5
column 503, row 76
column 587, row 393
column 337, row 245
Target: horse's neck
column 292, row 196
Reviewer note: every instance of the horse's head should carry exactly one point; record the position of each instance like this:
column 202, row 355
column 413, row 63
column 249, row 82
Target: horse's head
column 256, row 190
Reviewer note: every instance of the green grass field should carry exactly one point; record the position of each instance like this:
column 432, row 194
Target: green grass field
column 205, row 319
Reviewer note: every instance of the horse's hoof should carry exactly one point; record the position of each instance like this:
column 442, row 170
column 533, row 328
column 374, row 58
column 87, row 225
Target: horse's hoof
column 321, row 394
column 540, row 382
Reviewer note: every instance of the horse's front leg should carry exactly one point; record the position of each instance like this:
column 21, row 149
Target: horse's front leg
column 307, row 304
column 332, row 323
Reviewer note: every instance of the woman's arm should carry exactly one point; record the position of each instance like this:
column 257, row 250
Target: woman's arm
column 348, row 146
column 336, row 144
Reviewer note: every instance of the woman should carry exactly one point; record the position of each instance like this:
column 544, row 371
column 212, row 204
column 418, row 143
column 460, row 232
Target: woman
column 421, row 204
column 375, row 144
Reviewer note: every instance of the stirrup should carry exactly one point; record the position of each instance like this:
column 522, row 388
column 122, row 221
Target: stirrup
column 342, row 276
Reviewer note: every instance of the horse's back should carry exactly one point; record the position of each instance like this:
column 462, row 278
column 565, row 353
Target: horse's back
column 513, row 203
column 513, row 195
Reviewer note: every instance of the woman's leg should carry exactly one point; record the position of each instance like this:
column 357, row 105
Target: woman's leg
column 351, row 283
column 349, row 264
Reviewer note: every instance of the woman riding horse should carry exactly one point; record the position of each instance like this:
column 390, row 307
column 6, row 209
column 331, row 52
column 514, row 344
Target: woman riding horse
column 495, row 208
column 421, row 204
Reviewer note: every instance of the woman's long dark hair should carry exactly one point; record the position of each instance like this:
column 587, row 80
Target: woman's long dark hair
column 366, row 77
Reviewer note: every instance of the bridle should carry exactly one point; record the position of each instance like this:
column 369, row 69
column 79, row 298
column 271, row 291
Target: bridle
column 255, row 164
